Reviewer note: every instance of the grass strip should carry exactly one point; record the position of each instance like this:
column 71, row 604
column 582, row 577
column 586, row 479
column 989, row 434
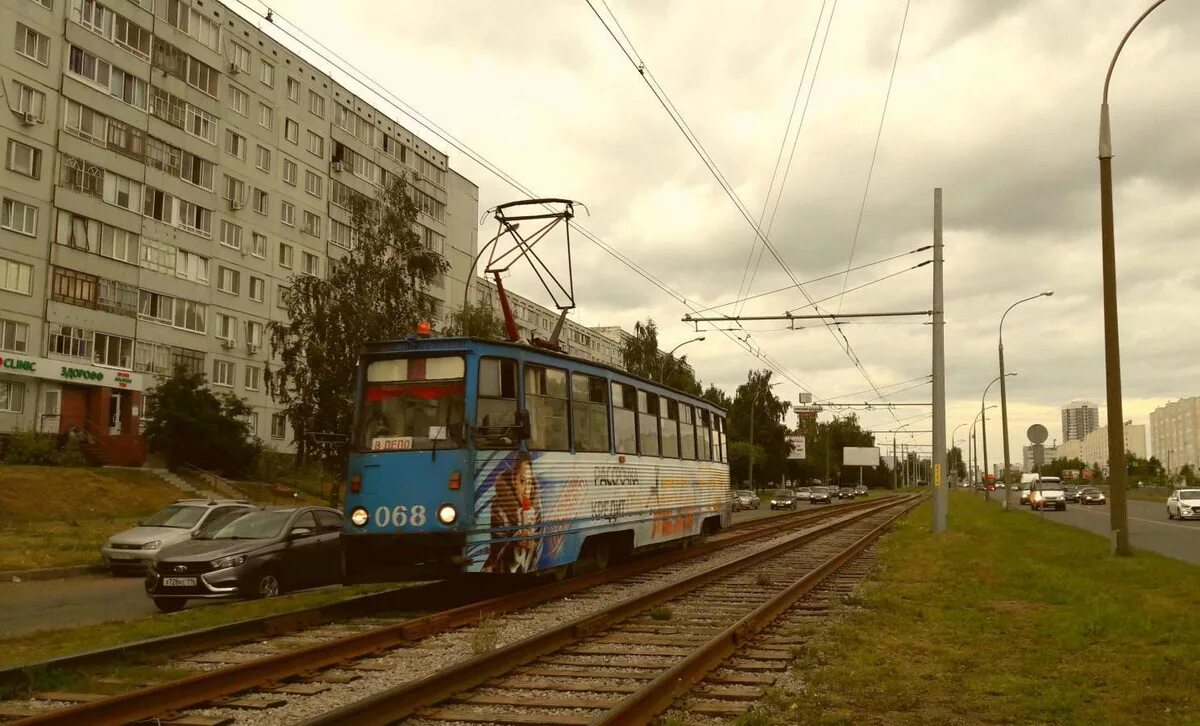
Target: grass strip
column 1004, row 619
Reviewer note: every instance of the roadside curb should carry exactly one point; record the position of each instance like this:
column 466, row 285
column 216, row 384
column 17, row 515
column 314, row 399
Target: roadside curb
column 50, row 573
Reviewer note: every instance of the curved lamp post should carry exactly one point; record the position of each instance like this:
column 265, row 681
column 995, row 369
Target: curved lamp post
column 1118, row 514
column 1004, row 390
column 670, row 362
column 974, row 449
column 954, row 441
column 983, row 428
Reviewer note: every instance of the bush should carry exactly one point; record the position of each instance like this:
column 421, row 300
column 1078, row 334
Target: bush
column 31, row 447
column 192, row 425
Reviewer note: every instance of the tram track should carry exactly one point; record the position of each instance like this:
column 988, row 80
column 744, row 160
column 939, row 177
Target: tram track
column 323, row 664
column 628, row 662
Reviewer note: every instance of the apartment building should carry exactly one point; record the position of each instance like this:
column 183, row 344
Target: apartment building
column 1035, row 456
column 168, row 169
column 1093, row 448
column 1175, row 433
column 1079, row 418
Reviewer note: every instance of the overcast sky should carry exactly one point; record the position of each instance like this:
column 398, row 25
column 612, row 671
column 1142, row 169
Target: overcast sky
column 996, row 102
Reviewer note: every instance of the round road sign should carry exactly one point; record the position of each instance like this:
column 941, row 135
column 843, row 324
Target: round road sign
column 1037, row 434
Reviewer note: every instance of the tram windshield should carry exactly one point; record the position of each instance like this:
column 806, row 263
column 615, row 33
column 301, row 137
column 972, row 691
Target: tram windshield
column 413, row 404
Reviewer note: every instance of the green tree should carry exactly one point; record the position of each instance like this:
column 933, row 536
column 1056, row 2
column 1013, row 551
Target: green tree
column 642, row 357
column 1188, row 474
column 192, row 425
column 955, row 457
column 824, row 441
column 716, row 396
column 739, row 464
column 754, row 397
column 1060, row 465
column 476, row 321
column 375, row 292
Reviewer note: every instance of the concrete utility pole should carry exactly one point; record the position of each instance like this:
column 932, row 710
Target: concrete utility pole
column 1118, row 509
column 941, row 500
column 895, row 462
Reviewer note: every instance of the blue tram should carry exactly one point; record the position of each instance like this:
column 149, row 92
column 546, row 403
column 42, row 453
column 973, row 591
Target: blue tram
column 474, row 456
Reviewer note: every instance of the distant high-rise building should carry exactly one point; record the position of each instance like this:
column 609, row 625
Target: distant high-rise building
column 1079, row 418
column 1174, row 434
column 1038, row 455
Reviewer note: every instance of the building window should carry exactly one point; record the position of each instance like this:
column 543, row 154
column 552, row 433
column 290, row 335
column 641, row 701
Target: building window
column 289, row 171
column 85, row 123
column 278, row 426
column 200, row 124
column 316, row 144
column 24, row 159
column 287, row 213
column 12, row 397
column 312, row 265
column 228, row 280
column 253, row 376
column 258, row 245
column 285, row 255
column 95, row 237
column 156, row 307
column 16, row 277
column 158, row 205
column 223, row 373
column 258, row 288
column 265, row 115
column 14, row 336
column 194, row 218
column 429, row 205
column 262, row 158
column 239, row 100
column 293, row 89
column 113, row 351
column 191, row 266
column 266, row 73
column 196, row 170
column 254, row 332
column 434, row 241
column 69, row 340
column 281, row 293
column 316, row 104
column 235, row 144
column 241, row 58
column 235, row 191
column 231, row 235
column 341, row 234
column 30, row 101
column 19, row 217
column 32, row 44
column 262, row 201
column 312, row 224
column 193, row 22
column 291, row 130
column 131, row 36
column 226, row 328
column 191, row 361
column 312, row 183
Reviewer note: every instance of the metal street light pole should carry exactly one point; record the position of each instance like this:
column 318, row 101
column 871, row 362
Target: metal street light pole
column 975, row 450
column 1118, row 512
column 1004, row 394
column 662, row 374
column 753, row 406
column 954, row 445
column 983, row 428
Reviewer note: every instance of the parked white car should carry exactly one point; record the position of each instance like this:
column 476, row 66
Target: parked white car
column 1184, row 504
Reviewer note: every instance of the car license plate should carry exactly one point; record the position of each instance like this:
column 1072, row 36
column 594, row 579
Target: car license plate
column 179, row 582
column 120, row 556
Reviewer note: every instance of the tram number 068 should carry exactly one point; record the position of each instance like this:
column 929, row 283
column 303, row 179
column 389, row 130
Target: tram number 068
column 400, row 515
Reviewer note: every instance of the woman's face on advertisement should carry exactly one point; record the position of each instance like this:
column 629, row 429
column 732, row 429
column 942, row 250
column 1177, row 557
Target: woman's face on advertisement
column 523, row 478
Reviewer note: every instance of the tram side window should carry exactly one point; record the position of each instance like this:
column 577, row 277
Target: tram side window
column 703, row 435
column 687, row 432
column 648, row 423
column 496, row 408
column 546, row 399
column 624, row 408
column 589, row 412
column 722, row 444
column 669, row 410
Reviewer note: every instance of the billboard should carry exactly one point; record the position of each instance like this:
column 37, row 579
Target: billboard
column 797, row 447
column 860, row 456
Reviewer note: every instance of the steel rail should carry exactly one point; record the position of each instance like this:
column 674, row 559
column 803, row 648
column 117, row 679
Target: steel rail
column 658, row 695
column 390, row 705
column 156, row 701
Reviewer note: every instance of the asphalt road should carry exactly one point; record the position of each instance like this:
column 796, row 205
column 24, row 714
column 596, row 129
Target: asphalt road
column 1149, row 528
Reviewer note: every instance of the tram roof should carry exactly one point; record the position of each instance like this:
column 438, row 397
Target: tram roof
column 415, row 344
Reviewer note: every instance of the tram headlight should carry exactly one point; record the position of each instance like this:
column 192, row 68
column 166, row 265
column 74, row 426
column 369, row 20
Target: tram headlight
column 447, row 514
column 360, row 516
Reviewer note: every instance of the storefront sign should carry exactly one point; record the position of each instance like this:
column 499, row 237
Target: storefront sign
column 70, row 372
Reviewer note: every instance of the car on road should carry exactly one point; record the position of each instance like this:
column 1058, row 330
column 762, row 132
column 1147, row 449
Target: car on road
column 783, row 499
column 1071, row 494
column 821, row 495
column 135, row 548
column 259, row 554
column 1091, row 495
column 1048, row 494
column 803, row 494
column 1184, row 504
column 744, row 499
column 845, row 493
column 861, row 490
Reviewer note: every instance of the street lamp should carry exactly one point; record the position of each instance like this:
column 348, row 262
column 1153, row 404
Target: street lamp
column 982, row 400
column 662, row 374
column 753, row 405
column 954, row 442
column 975, row 447
column 1004, row 390
column 1118, row 514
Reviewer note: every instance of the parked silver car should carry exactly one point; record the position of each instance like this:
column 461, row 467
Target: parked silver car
column 744, row 499
column 1184, row 504
column 133, row 549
